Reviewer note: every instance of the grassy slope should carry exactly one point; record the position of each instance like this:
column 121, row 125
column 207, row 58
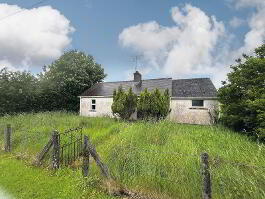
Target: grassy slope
column 159, row 159
column 25, row 181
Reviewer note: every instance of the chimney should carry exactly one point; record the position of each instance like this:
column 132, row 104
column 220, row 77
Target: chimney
column 137, row 77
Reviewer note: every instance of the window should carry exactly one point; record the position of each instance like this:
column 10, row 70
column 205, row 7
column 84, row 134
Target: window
column 93, row 105
column 197, row 103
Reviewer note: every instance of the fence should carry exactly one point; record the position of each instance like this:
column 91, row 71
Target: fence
column 157, row 170
column 67, row 146
column 71, row 145
column 203, row 175
column 207, row 176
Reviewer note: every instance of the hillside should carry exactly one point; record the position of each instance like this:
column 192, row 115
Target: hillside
column 159, row 160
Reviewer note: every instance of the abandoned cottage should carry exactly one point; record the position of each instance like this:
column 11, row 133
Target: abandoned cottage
column 192, row 100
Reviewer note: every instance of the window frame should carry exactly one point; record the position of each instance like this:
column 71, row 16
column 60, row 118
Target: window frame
column 93, row 103
column 196, row 106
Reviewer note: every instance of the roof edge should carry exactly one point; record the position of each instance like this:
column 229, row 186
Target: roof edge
column 202, row 98
column 193, row 78
column 133, row 81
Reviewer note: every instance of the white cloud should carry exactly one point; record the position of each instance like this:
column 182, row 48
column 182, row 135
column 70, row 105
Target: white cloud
column 198, row 44
column 256, row 34
column 235, row 22
column 185, row 49
column 247, row 3
column 33, row 37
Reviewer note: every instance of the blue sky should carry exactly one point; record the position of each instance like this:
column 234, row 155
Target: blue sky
column 161, row 31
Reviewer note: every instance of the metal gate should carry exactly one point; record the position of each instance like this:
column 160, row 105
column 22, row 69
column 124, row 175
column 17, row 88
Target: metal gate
column 71, row 144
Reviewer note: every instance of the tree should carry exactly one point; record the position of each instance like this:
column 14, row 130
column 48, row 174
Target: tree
column 18, row 92
column 66, row 78
column 243, row 96
column 165, row 110
column 124, row 104
column 153, row 105
column 144, row 105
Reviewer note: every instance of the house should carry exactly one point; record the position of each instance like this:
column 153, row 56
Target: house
column 192, row 100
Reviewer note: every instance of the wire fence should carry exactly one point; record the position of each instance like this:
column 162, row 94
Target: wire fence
column 232, row 179
column 169, row 173
column 27, row 144
column 162, row 171
column 173, row 173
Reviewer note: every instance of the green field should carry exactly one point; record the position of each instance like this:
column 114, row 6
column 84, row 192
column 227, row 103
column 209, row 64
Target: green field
column 152, row 159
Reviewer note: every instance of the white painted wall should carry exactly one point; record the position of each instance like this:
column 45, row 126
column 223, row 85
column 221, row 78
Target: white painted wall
column 183, row 112
column 103, row 107
column 181, row 109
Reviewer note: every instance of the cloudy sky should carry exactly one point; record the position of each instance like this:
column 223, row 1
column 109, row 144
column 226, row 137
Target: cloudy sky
column 172, row 38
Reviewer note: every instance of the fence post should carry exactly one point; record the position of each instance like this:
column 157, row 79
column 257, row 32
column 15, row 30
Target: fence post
column 207, row 185
column 85, row 157
column 56, row 150
column 7, row 135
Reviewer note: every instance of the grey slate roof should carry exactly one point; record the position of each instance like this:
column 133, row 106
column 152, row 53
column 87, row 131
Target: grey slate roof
column 199, row 87
column 106, row 88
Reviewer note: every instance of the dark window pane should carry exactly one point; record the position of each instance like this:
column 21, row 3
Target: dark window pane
column 197, row 102
column 93, row 101
column 93, row 107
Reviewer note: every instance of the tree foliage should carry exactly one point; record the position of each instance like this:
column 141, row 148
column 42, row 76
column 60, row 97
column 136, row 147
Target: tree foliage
column 18, row 91
column 243, row 96
column 149, row 105
column 56, row 88
column 124, row 103
column 153, row 105
column 68, row 77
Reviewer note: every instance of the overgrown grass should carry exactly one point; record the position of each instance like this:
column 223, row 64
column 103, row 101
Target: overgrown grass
column 159, row 159
column 25, row 181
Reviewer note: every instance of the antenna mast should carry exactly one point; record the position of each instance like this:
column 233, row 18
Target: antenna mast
column 136, row 59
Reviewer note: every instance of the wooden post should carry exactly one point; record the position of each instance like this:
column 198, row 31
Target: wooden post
column 7, row 135
column 102, row 166
column 85, row 157
column 207, row 185
column 56, row 150
column 44, row 151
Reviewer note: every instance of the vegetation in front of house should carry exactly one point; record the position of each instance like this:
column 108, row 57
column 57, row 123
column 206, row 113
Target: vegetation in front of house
column 26, row 181
column 153, row 104
column 124, row 103
column 149, row 105
column 56, row 88
column 242, row 98
column 159, row 159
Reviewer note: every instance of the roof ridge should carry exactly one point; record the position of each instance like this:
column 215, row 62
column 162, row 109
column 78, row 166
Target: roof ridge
column 192, row 78
column 133, row 81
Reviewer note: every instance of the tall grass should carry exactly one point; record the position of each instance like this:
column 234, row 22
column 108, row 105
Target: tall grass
column 159, row 159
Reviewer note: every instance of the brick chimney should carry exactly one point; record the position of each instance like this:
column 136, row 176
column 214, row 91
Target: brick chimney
column 137, row 77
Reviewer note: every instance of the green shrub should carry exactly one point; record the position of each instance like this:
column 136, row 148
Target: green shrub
column 144, row 105
column 243, row 96
column 150, row 105
column 124, row 103
column 153, row 105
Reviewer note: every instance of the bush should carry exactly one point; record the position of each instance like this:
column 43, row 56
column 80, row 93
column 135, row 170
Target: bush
column 56, row 88
column 243, row 96
column 124, row 104
column 153, row 105
column 149, row 105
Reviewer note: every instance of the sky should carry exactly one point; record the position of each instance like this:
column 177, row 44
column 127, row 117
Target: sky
column 171, row 38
